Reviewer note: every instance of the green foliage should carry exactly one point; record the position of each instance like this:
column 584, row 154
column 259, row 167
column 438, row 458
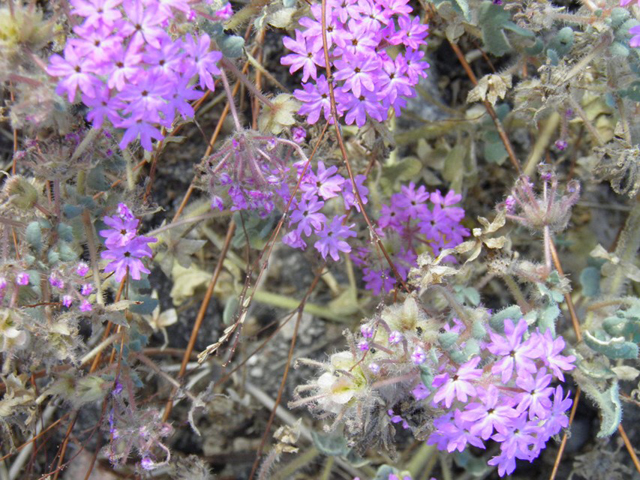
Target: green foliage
column 601, row 385
column 614, row 348
column 460, row 6
column 590, row 281
column 497, row 320
column 494, row 21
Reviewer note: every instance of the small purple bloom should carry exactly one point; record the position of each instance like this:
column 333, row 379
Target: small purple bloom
column 67, row 300
column 23, row 278
column 85, row 306
column 82, row 269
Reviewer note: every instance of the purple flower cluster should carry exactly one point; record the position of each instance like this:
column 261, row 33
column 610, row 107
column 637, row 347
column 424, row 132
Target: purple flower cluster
column 125, row 247
column 129, row 70
column 252, row 171
column 368, row 81
column 406, row 225
column 509, row 400
column 74, row 287
column 308, row 220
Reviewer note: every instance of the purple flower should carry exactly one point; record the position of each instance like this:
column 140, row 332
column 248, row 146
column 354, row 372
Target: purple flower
column 122, row 231
column 67, row 300
column 143, row 23
column 557, row 419
column 418, row 357
column 127, row 258
column 358, row 73
column 459, row 385
column 205, row 60
column 326, row 182
column 635, row 39
column 374, row 368
column 363, row 346
column 23, row 278
column 139, row 127
column 395, row 337
column 378, row 280
column 535, row 397
column 86, row 289
column 315, row 100
column 97, row 12
column 332, row 237
column 495, row 412
column 514, row 352
column 367, row 331
column 307, row 215
column 411, row 33
column 76, row 71
column 56, row 281
column 349, row 196
column 357, row 108
column 304, row 58
column 551, row 349
column 298, row 134
column 85, row 306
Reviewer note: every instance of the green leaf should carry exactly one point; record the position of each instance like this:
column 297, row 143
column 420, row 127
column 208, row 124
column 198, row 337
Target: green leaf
column 65, row 232
column 383, row 472
column 97, row 180
column 607, row 400
column 332, row 444
column 494, row 20
column 147, row 305
column 33, row 234
column 72, row 211
column 494, row 152
column 614, row 348
column 497, row 321
column 478, row 330
column 231, row 46
column 632, row 92
column 563, row 41
column 618, row 49
column 460, row 6
column 447, row 339
column 590, row 281
column 426, row 376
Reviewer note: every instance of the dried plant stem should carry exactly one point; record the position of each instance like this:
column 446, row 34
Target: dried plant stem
column 565, row 436
column 245, row 81
column 284, row 375
column 200, row 317
column 232, row 103
column 543, row 140
column 490, row 110
column 629, row 446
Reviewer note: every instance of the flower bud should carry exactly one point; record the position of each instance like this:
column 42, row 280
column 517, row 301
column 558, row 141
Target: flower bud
column 21, row 193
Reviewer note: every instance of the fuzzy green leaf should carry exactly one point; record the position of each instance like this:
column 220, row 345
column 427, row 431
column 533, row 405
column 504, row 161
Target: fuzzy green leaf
column 330, row 444
column 614, row 348
column 33, row 234
column 590, row 281
column 608, row 401
column 497, row 321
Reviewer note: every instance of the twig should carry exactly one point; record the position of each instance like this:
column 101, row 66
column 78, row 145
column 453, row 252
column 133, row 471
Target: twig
column 492, row 113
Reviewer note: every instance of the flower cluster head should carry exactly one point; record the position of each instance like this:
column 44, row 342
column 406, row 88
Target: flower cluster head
column 508, row 399
column 125, row 247
column 367, row 80
column 454, row 386
column 307, row 220
column 253, row 171
column 129, row 70
column 414, row 219
column 546, row 210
